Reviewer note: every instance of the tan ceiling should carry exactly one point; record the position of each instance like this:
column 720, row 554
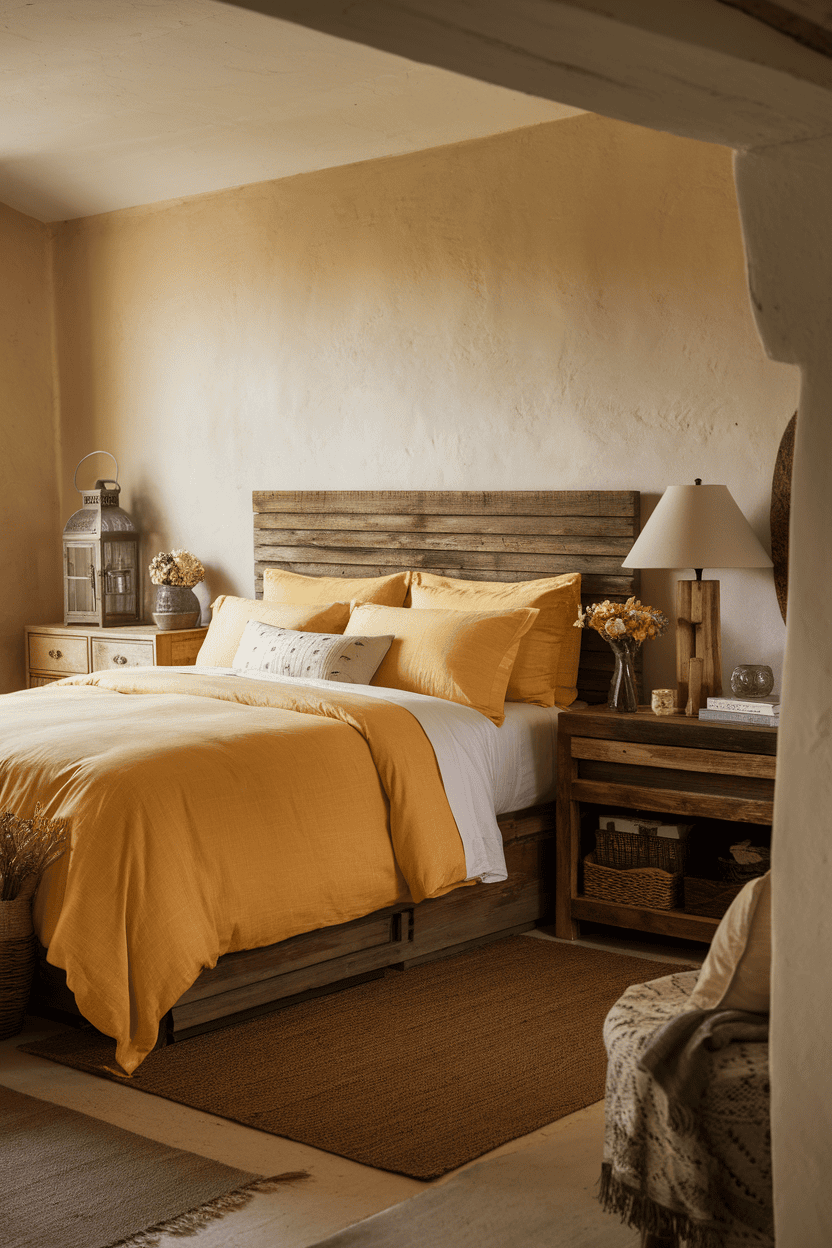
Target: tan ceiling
column 106, row 104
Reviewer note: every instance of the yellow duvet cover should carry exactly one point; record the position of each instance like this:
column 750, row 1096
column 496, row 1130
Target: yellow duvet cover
column 210, row 814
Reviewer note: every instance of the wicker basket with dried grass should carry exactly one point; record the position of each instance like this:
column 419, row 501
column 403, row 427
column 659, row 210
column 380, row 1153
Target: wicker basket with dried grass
column 27, row 847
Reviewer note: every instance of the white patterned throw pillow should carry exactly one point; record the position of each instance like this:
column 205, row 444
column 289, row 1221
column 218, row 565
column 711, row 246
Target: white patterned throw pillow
column 323, row 656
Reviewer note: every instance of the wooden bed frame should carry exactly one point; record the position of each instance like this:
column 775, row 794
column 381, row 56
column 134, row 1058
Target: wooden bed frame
column 502, row 536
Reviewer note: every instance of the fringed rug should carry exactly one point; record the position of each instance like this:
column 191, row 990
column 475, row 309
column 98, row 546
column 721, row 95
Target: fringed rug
column 416, row 1073
column 71, row 1181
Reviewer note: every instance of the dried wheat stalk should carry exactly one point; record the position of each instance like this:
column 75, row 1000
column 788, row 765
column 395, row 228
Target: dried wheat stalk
column 27, row 847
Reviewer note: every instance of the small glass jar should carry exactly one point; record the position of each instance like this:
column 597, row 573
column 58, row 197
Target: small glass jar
column 663, row 701
column 752, row 680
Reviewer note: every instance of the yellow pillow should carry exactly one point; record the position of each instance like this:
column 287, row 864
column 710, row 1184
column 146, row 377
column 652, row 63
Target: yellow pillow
column 280, row 586
column 230, row 616
column 462, row 656
column 546, row 667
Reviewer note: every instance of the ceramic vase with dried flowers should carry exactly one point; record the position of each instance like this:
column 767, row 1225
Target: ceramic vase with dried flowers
column 624, row 626
column 27, row 847
column 175, row 574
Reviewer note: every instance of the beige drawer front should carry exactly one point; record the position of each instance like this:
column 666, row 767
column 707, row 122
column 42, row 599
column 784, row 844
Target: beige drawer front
column 59, row 654
column 114, row 655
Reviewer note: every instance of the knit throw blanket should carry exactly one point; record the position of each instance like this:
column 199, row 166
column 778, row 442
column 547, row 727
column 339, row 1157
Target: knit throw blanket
column 687, row 1149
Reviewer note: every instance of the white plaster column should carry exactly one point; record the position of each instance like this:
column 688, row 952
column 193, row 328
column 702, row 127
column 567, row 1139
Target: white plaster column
column 785, row 194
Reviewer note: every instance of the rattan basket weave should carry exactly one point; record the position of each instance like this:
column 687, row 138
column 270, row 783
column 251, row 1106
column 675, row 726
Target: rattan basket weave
column 650, row 887
column 710, row 898
column 639, row 849
column 741, row 872
column 17, row 963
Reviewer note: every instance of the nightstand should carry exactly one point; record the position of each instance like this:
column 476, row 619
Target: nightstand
column 668, row 765
column 57, row 650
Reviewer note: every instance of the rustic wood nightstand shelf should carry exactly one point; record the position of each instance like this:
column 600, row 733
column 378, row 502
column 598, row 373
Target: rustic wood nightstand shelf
column 665, row 765
column 57, row 650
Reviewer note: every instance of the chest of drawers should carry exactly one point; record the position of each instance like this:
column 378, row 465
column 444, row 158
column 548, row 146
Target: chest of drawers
column 57, row 650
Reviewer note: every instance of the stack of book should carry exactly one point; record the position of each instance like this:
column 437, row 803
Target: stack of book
column 762, row 711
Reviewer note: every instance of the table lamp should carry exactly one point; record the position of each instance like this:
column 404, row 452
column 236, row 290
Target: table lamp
column 697, row 526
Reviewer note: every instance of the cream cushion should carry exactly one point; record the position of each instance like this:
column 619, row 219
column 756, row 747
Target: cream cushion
column 308, row 656
column 461, row 656
column 546, row 667
column 280, row 586
column 230, row 616
column 736, row 974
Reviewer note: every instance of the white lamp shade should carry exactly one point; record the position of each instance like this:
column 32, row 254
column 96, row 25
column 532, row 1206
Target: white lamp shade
column 697, row 526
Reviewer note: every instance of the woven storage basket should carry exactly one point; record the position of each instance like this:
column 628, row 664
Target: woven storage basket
column 633, row 886
column 625, row 850
column 741, row 872
column 17, row 963
column 710, row 898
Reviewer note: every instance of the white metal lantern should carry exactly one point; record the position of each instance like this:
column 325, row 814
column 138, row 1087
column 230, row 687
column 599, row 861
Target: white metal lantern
column 101, row 558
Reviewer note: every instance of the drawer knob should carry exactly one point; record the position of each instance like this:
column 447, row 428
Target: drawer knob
column 56, row 654
column 120, row 659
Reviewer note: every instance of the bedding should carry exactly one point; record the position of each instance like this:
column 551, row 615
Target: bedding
column 285, row 652
column 545, row 670
column 463, row 656
column 230, row 615
column 293, row 587
column 526, row 752
column 211, row 813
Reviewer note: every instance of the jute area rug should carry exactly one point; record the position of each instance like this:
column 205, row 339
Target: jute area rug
column 416, row 1073
column 71, row 1181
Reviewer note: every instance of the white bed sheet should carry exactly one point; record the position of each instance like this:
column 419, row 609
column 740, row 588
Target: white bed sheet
column 527, row 762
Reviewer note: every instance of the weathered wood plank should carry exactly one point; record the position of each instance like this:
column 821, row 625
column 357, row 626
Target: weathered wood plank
column 384, row 523
column 715, row 761
column 674, row 801
column 664, row 922
column 520, row 824
column 712, row 783
column 544, row 565
column 346, row 542
column 452, row 502
column 680, row 731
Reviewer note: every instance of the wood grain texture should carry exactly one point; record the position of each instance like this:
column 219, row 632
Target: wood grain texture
column 451, row 502
column 677, row 923
column 698, row 637
column 668, row 765
column 474, row 535
column 678, row 759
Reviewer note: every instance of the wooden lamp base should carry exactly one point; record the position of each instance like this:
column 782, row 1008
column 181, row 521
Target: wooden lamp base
column 697, row 637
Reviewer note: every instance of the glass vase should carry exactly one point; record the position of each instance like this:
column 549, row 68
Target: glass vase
column 623, row 694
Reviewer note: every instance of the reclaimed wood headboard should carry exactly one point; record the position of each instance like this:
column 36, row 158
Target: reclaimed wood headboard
column 512, row 535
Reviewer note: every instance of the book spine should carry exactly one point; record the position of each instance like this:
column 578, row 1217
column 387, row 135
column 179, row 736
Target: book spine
column 738, row 717
column 745, row 708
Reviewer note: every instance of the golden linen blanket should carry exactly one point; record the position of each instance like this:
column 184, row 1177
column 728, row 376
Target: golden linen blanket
column 210, row 814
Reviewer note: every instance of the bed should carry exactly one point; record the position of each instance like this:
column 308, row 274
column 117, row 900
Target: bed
column 510, row 538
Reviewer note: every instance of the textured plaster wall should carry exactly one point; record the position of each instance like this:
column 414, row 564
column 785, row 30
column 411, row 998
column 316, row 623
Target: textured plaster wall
column 29, row 510
column 564, row 306
column 785, row 194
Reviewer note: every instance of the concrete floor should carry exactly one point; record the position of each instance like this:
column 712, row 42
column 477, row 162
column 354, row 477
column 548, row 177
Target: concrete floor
column 338, row 1193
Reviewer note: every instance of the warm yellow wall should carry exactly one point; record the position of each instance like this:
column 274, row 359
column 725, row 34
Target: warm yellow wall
column 29, row 511
column 562, row 306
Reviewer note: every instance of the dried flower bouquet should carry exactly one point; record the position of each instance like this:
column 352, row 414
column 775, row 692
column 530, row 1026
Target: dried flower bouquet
column 625, row 625
column 178, row 567
column 619, row 620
